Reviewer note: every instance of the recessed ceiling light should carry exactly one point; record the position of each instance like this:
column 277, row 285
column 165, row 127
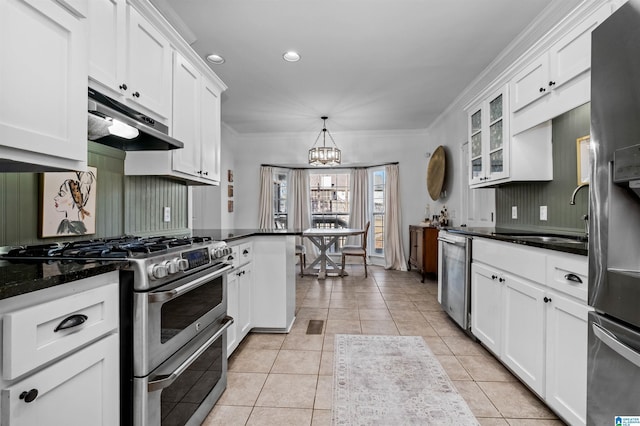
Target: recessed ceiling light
column 291, row 56
column 215, row 59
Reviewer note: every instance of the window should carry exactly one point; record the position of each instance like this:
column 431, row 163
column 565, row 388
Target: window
column 280, row 199
column 377, row 211
column 330, row 202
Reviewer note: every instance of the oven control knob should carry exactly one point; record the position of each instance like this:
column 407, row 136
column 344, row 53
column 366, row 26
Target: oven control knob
column 183, row 264
column 171, row 265
column 157, row 271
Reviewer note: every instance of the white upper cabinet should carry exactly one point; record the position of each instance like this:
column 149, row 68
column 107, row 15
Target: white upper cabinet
column 186, row 119
column 196, row 123
column 489, row 135
column 530, row 84
column 43, row 79
column 558, row 80
column 129, row 59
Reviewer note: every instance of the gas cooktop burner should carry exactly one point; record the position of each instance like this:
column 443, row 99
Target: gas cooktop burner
column 124, row 247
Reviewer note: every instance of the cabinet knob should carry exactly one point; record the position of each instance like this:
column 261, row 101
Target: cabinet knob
column 501, row 280
column 29, row 396
column 136, row 94
column 542, row 89
column 552, row 83
column 547, row 299
column 205, row 173
column 493, row 277
column 199, row 172
column 123, row 86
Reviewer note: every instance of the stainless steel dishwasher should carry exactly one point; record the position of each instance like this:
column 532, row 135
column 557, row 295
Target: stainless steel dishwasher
column 454, row 276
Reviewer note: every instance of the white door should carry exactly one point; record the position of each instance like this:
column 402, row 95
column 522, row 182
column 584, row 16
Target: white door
column 210, row 131
column 43, row 79
column 148, row 66
column 486, row 306
column 566, row 371
column 107, row 44
column 245, row 308
column 523, row 349
column 186, row 117
column 81, row 389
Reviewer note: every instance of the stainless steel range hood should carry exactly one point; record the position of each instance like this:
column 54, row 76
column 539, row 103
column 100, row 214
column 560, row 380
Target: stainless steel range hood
column 114, row 124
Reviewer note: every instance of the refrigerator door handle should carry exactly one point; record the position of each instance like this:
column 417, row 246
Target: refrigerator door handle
column 620, row 348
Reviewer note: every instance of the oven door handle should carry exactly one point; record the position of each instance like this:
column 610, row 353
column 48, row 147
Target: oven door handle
column 166, row 380
column 163, row 296
column 620, row 348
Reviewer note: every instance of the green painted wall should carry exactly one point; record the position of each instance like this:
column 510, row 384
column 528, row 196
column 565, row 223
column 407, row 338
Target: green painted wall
column 124, row 204
column 529, row 196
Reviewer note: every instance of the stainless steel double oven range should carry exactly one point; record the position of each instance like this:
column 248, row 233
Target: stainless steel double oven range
column 173, row 317
column 176, row 330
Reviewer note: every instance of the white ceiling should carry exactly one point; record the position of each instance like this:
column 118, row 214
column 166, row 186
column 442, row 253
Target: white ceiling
column 367, row 64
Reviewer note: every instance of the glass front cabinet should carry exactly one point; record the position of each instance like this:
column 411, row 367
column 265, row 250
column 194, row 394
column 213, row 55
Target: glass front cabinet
column 489, row 136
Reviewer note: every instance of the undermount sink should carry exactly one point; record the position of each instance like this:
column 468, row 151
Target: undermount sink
column 550, row 239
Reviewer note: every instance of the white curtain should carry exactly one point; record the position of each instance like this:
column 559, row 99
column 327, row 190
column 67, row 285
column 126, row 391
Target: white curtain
column 359, row 214
column 393, row 251
column 300, row 208
column 266, row 219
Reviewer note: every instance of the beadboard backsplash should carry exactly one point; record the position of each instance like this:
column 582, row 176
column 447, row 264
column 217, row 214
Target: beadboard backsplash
column 124, row 204
column 529, row 196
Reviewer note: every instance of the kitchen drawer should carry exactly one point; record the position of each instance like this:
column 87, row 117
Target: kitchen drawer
column 246, row 252
column 30, row 338
column 523, row 261
column 568, row 274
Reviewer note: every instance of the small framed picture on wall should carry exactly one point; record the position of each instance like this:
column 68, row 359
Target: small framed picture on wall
column 230, row 175
column 230, row 206
column 230, row 191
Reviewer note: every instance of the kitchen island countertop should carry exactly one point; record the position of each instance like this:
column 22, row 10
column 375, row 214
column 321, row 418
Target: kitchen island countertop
column 230, row 235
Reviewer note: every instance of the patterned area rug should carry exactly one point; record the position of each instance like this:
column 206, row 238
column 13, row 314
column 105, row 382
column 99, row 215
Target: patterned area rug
column 393, row 380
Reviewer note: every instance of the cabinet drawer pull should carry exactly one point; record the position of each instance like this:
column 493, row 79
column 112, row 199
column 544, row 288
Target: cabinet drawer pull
column 573, row 277
column 245, row 252
column 123, row 86
column 136, row 94
column 70, row 322
column 29, row 396
column 547, row 299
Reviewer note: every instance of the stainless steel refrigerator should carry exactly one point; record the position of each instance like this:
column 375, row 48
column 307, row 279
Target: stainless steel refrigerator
column 614, row 243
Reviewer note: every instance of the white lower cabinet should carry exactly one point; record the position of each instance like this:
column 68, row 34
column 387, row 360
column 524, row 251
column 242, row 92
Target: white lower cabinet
column 566, row 355
column 60, row 355
column 79, row 390
column 239, row 304
column 486, row 301
column 523, row 350
column 534, row 319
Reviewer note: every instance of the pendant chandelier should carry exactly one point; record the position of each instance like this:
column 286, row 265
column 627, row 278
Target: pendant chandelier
column 324, row 155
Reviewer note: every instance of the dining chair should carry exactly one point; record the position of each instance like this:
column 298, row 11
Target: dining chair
column 353, row 250
column 302, row 252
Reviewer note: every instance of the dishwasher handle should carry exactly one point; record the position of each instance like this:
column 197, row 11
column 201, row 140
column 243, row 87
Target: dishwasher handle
column 460, row 243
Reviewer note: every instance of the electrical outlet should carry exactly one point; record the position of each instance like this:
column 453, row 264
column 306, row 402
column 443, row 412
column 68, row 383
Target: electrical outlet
column 543, row 212
column 514, row 212
column 167, row 214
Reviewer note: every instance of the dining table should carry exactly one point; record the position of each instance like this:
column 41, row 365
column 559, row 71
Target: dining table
column 324, row 238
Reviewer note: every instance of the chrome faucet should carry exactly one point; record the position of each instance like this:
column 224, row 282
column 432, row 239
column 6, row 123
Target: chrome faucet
column 572, row 201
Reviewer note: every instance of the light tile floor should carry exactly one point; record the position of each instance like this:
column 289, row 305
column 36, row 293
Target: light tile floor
column 286, row 379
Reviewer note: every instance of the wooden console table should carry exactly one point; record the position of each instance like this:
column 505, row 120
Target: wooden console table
column 423, row 245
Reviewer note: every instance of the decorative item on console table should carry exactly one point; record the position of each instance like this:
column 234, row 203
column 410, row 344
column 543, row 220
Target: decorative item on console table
column 423, row 249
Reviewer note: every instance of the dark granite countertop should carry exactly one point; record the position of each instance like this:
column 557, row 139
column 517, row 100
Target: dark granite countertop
column 20, row 277
column 517, row 236
column 230, row 235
